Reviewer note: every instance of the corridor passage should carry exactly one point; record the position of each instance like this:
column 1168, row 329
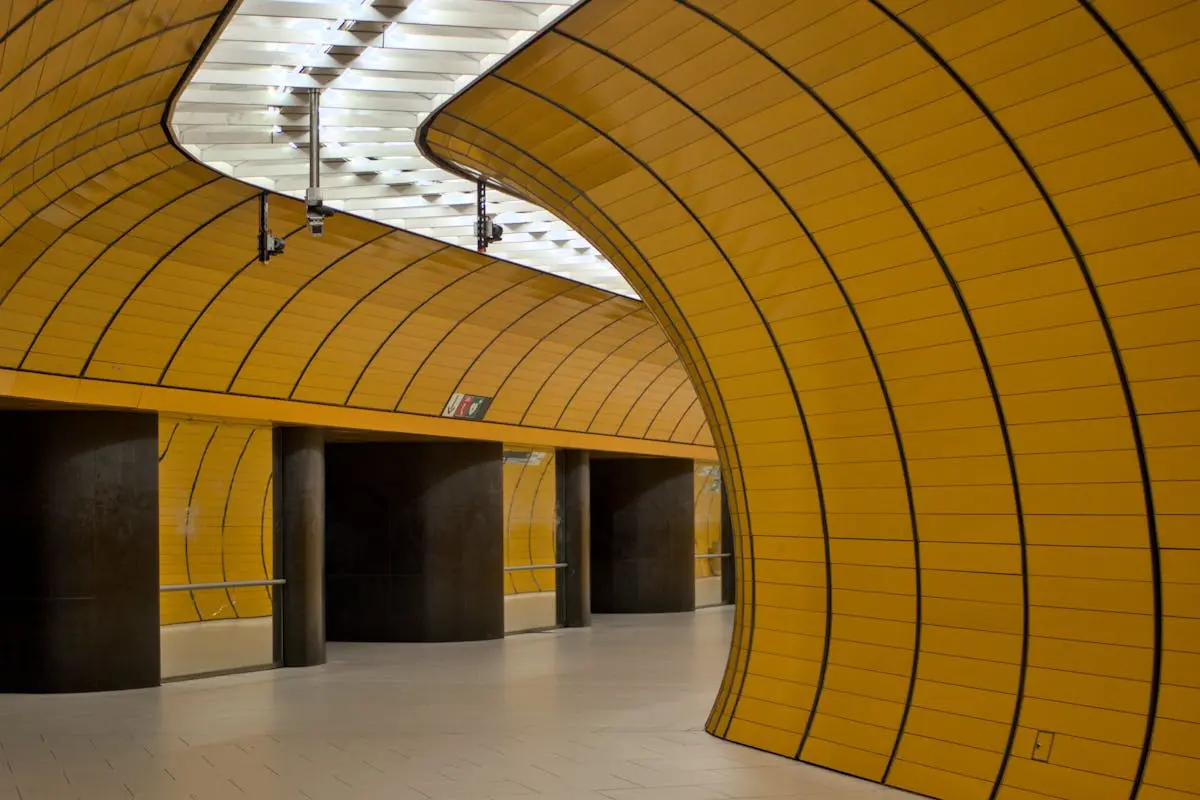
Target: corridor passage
column 614, row 712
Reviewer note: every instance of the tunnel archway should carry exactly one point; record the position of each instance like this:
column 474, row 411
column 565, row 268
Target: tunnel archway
column 930, row 269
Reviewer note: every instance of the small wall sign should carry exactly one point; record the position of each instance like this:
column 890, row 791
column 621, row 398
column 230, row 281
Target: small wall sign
column 466, row 406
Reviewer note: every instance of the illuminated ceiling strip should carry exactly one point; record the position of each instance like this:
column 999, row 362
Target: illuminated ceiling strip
column 382, row 66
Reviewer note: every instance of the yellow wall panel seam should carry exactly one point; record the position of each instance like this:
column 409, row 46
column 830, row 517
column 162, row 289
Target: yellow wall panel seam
column 353, row 307
column 1129, row 400
column 292, row 297
column 517, row 366
column 99, row 339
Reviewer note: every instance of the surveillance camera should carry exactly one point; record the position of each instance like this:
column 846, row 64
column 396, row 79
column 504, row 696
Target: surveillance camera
column 492, row 231
column 268, row 243
column 317, row 212
column 268, row 246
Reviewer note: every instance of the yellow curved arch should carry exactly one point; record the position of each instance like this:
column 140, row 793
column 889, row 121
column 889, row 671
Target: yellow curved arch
column 128, row 274
column 931, row 267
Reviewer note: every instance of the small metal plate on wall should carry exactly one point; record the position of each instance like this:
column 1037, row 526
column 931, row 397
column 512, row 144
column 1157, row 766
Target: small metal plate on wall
column 1043, row 743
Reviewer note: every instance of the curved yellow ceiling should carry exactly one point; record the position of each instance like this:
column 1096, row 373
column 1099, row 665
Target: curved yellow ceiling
column 128, row 274
column 933, row 269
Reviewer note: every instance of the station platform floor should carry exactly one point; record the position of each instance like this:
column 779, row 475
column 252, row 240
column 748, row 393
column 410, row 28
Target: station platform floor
column 614, row 712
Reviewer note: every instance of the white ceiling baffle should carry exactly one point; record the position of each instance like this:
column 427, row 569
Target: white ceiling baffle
column 381, row 66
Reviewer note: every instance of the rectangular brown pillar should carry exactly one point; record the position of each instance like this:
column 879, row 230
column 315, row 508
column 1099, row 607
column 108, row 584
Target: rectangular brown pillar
column 643, row 529
column 300, row 518
column 575, row 534
column 415, row 548
column 79, row 570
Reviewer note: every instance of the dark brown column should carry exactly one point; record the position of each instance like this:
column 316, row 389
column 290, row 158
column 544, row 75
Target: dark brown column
column 79, row 571
column 415, row 547
column 643, row 528
column 300, row 517
column 575, row 534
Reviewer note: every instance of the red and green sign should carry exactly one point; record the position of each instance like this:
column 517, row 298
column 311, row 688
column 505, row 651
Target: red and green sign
column 466, row 406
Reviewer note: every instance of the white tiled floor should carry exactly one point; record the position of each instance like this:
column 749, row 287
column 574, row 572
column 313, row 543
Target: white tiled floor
column 611, row 713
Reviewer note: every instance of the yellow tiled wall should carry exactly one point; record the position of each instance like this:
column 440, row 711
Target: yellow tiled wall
column 215, row 518
column 530, row 514
column 932, row 267
column 708, row 518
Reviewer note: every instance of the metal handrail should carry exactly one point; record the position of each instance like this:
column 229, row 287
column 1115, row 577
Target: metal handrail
column 535, row 566
column 714, row 555
column 196, row 587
